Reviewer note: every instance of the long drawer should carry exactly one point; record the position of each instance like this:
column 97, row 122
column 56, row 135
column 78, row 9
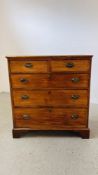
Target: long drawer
column 31, row 98
column 29, row 81
column 50, row 118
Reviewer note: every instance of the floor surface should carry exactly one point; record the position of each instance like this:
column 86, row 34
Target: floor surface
column 46, row 154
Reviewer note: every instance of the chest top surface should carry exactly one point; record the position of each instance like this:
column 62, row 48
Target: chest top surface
column 49, row 57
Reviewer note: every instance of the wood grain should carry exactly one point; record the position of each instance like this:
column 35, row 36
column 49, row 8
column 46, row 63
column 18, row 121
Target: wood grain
column 20, row 66
column 79, row 65
column 49, row 57
column 50, row 98
column 42, row 91
column 43, row 118
column 36, row 81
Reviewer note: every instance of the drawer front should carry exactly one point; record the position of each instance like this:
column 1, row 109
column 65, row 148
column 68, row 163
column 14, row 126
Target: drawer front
column 77, row 98
column 69, row 81
column 30, row 98
column 50, row 118
column 71, row 98
column 30, row 81
column 29, row 66
column 70, row 66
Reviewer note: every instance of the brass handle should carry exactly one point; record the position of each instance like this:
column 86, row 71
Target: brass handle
column 23, row 80
column 75, row 97
column 70, row 65
column 28, row 65
column 25, row 97
column 49, row 75
column 74, row 116
column 75, row 80
column 49, row 109
column 26, row 117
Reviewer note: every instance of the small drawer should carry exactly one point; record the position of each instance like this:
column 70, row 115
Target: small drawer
column 28, row 66
column 34, row 81
column 25, row 98
column 69, row 81
column 30, row 81
column 70, row 66
column 50, row 118
column 69, row 98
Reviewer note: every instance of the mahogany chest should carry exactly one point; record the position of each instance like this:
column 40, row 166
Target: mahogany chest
column 50, row 93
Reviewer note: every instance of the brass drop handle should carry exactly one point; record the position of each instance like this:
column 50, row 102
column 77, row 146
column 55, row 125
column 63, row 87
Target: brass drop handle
column 75, row 79
column 70, row 65
column 24, row 80
column 75, row 97
column 49, row 75
column 50, row 109
column 28, row 65
column 26, row 117
column 25, row 97
column 74, row 116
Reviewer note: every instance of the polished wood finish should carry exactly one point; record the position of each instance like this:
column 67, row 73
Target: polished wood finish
column 29, row 66
column 77, row 65
column 36, row 81
column 50, row 118
column 50, row 93
column 55, row 98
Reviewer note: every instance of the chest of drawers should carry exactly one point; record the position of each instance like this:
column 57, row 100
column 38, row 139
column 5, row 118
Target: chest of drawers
column 50, row 93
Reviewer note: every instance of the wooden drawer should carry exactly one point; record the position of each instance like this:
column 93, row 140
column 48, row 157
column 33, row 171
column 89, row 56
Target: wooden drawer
column 70, row 98
column 50, row 118
column 23, row 98
column 70, row 65
column 69, row 81
column 28, row 66
column 29, row 81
